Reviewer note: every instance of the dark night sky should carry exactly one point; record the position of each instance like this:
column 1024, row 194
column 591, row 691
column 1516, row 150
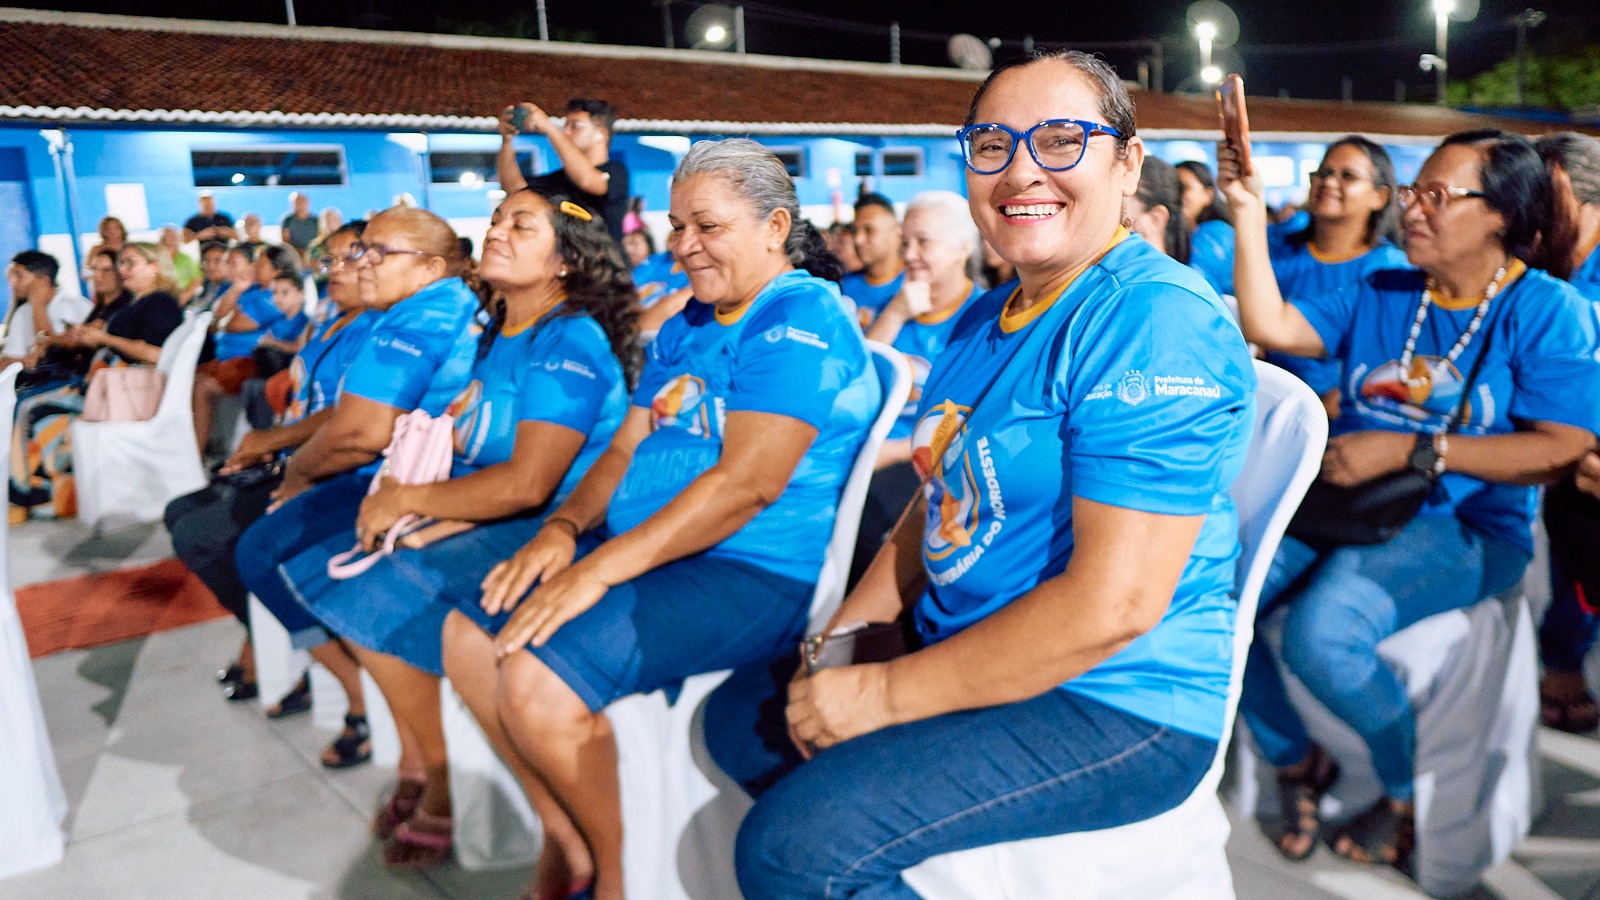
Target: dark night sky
column 1275, row 34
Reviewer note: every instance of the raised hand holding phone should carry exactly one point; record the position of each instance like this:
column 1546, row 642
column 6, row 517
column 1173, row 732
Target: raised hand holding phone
column 1235, row 121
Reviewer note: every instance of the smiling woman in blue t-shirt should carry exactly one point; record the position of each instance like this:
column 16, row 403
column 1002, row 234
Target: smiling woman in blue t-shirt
column 1071, row 569
column 548, row 389
column 1405, row 339
column 694, row 541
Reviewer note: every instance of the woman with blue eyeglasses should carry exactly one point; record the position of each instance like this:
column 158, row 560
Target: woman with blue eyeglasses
column 1068, row 568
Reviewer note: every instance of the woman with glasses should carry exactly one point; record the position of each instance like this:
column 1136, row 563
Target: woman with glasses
column 1070, row 574
column 548, row 390
column 1406, row 340
column 206, row 525
column 418, row 355
column 1354, row 226
column 130, row 334
column 695, row 541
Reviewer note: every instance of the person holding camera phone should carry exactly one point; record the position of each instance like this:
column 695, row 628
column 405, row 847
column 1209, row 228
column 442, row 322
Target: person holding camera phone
column 1468, row 368
column 588, row 174
column 1070, row 563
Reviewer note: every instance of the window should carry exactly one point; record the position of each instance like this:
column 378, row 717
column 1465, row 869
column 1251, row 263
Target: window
column 279, row 166
column 864, row 164
column 472, row 168
column 902, row 163
column 793, row 159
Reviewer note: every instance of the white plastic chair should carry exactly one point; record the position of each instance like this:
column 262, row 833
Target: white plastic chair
column 131, row 470
column 1180, row 854
column 33, row 803
column 1473, row 678
column 672, row 814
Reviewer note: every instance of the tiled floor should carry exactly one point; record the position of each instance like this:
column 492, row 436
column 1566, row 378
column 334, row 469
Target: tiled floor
column 176, row 794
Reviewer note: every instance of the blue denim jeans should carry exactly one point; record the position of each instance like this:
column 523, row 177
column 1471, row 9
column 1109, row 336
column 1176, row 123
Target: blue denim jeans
column 1341, row 604
column 1570, row 624
column 849, row 821
column 326, row 510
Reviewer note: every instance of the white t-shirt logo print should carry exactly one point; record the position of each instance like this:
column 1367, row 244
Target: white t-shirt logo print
column 1133, row 389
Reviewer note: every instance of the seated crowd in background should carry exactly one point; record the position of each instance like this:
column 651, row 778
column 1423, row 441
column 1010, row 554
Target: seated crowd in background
column 649, row 449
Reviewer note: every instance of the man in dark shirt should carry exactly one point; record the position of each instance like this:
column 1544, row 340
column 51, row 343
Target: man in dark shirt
column 208, row 224
column 588, row 174
column 299, row 226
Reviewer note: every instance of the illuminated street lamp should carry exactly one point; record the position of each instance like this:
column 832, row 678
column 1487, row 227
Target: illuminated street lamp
column 1441, row 46
column 1206, row 33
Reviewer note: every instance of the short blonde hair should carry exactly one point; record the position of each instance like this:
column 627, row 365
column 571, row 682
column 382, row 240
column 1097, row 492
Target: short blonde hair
column 156, row 255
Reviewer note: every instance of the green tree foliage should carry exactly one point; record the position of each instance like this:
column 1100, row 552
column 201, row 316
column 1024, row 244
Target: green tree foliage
column 1564, row 82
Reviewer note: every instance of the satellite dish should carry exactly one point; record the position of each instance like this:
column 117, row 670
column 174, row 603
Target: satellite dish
column 970, row 52
column 1220, row 16
column 711, row 27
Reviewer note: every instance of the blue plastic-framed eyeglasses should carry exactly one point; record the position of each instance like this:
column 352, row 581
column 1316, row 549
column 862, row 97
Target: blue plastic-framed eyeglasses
column 1055, row 144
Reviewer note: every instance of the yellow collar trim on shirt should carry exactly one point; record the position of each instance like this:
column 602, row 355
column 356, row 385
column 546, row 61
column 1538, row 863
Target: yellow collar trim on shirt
column 735, row 314
column 1456, row 304
column 868, row 278
column 1010, row 323
column 943, row 315
column 1332, row 259
column 511, row 331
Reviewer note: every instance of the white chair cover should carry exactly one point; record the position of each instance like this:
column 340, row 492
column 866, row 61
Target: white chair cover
column 131, row 470
column 278, row 664
column 679, row 817
column 1472, row 675
column 1180, row 854
column 33, row 805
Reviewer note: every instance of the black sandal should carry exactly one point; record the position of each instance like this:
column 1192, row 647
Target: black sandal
column 1300, row 792
column 353, row 747
column 296, row 701
column 1381, row 834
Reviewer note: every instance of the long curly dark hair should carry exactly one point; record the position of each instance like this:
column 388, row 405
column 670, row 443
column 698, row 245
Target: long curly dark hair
column 599, row 282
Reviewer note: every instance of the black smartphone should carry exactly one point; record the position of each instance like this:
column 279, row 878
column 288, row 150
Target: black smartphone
column 519, row 118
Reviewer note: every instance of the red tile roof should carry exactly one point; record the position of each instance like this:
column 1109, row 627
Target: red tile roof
column 66, row 66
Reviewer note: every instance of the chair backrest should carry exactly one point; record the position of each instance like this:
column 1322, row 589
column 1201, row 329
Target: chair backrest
column 894, row 375
column 1284, row 458
column 179, row 355
column 8, row 406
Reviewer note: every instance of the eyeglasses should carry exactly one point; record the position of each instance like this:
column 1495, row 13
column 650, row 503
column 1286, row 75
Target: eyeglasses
column 377, row 253
column 1345, row 176
column 326, row 264
column 1055, row 144
column 1434, row 197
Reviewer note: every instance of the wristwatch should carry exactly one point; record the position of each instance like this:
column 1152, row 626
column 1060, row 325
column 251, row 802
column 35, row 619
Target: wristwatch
column 1427, row 457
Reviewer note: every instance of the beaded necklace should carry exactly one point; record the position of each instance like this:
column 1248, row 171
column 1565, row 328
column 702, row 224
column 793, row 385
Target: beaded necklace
column 1427, row 301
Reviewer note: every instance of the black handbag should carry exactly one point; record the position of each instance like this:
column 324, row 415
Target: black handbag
column 1374, row 511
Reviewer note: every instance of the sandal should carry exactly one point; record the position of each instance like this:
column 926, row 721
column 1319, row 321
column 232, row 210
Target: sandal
column 1384, row 833
column 353, row 747
column 401, row 805
column 1565, row 703
column 1300, row 791
column 419, row 842
column 296, row 701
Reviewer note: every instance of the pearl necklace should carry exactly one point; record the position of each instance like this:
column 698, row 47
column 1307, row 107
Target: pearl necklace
column 1427, row 300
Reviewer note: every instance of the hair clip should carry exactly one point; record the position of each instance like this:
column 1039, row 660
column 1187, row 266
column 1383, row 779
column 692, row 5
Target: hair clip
column 575, row 211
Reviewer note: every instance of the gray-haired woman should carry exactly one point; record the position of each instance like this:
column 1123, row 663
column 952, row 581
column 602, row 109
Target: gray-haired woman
column 693, row 542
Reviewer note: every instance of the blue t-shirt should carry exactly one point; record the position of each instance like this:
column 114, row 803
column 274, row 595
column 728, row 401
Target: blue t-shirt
column 920, row 341
column 1301, row 274
column 289, row 330
column 315, row 372
column 869, row 297
column 794, row 351
column 1211, row 254
column 560, row 371
column 421, row 351
column 255, row 302
column 1586, row 277
column 1133, row 388
column 1541, row 367
column 658, row 276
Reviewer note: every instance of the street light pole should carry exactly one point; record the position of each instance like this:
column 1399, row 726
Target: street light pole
column 1528, row 18
column 1441, row 44
column 1206, row 34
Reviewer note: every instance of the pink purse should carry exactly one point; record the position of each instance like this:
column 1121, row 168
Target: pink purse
column 124, row 394
column 419, row 452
